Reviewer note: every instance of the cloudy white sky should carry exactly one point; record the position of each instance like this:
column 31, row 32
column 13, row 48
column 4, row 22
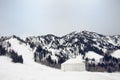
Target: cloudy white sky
column 59, row 17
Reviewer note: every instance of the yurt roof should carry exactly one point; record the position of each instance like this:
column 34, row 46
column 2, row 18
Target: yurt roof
column 74, row 60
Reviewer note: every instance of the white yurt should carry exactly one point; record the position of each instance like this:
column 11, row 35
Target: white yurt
column 75, row 64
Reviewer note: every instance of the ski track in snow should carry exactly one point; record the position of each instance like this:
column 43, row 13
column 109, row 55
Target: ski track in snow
column 30, row 70
column 26, row 53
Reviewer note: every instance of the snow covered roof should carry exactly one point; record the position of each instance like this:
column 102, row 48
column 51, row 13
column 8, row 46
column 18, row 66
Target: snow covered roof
column 78, row 59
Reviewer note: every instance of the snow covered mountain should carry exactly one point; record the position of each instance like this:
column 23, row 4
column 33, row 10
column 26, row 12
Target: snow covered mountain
column 56, row 50
column 51, row 50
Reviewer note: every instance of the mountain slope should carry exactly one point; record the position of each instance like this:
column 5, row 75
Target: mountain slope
column 21, row 48
column 56, row 50
column 52, row 50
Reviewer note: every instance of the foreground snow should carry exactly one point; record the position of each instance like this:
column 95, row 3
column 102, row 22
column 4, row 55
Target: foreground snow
column 16, row 71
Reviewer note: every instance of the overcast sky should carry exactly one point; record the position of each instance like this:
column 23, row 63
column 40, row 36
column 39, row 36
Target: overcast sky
column 58, row 17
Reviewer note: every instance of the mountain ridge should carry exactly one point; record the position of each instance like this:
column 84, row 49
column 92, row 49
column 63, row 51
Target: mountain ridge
column 74, row 43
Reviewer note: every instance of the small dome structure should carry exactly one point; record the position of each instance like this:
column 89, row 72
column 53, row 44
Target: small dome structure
column 75, row 64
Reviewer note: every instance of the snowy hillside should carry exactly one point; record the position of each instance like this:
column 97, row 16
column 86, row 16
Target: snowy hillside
column 94, row 55
column 21, row 49
column 116, row 54
column 26, row 52
column 29, row 70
